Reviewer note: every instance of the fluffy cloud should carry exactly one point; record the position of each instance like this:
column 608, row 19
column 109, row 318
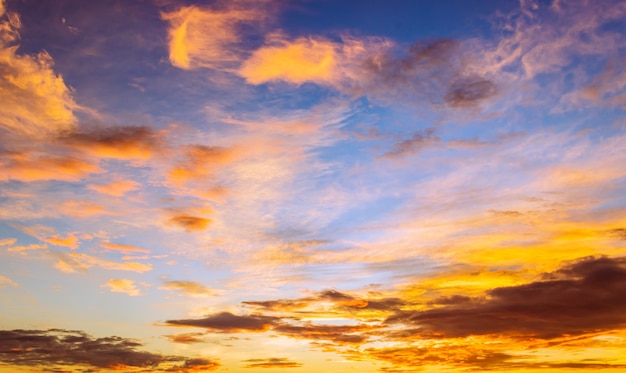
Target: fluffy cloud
column 297, row 62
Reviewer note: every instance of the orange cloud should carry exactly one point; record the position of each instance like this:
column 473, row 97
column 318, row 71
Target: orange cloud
column 186, row 338
column 117, row 188
column 48, row 235
column 70, row 241
column 205, row 37
column 297, row 62
column 189, row 288
column 123, row 248
column 19, row 249
column 34, row 100
column 122, row 286
column 273, row 362
column 29, row 167
column 74, row 262
column 7, row 241
column 190, row 223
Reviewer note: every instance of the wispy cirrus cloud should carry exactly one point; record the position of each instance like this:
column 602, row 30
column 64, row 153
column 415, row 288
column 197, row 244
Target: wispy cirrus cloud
column 211, row 37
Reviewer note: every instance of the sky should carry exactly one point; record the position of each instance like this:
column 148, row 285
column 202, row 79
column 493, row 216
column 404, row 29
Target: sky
column 312, row 186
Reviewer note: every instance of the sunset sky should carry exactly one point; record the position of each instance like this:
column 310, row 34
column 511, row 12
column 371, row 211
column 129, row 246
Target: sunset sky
column 312, row 186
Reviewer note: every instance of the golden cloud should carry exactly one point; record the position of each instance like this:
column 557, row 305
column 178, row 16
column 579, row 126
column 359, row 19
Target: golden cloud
column 297, row 62
column 122, row 286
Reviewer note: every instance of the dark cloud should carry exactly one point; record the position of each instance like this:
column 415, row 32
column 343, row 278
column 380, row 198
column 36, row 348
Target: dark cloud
column 431, row 71
column 122, row 142
column 227, row 322
column 340, row 334
column 585, row 296
column 468, row 92
column 273, row 362
column 619, row 233
column 416, row 143
column 76, row 348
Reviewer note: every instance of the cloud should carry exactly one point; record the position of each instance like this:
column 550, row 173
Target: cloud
column 80, row 262
column 585, row 296
column 7, row 241
column 340, row 334
column 35, row 246
column 229, row 323
column 78, row 350
column 122, row 286
column 201, row 161
column 469, row 91
column 50, row 236
column 186, row 338
column 29, row 167
column 5, row 281
column 126, row 249
column 190, row 223
column 116, row 188
column 121, row 142
column 272, row 362
column 203, row 37
column 418, row 142
column 36, row 102
column 189, row 288
column 83, row 209
column 319, row 303
column 70, row 241
column 302, row 60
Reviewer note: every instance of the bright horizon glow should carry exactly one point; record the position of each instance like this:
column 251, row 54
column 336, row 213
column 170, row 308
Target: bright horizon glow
column 305, row 186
